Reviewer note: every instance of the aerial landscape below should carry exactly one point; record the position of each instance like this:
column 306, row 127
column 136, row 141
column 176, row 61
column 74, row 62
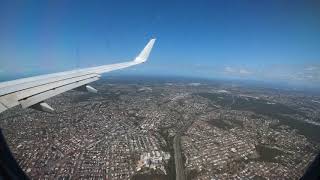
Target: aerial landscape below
column 162, row 128
column 160, row 89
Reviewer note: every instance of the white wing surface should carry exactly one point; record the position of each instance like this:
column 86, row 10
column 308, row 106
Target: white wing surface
column 32, row 91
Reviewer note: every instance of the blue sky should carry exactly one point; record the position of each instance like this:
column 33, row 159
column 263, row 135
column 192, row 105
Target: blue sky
column 271, row 40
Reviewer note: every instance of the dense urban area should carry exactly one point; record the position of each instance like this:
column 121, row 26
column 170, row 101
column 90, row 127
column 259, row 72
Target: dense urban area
column 168, row 129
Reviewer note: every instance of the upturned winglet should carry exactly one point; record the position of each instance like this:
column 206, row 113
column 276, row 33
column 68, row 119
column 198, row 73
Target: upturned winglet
column 144, row 54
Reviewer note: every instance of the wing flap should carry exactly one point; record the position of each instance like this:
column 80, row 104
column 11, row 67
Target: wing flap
column 38, row 81
column 9, row 100
column 38, row 89
column 2, row 108
column 12, row 99
column 53, row 92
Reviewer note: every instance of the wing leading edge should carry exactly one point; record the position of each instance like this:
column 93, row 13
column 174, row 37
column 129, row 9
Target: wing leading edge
column 32, row 91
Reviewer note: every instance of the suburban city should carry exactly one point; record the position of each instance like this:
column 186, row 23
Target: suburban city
column 167, row 129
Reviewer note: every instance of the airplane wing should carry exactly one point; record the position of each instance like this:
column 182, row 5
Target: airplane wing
column 32, row 91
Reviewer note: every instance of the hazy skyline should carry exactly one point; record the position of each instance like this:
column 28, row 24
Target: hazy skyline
column 265, row 40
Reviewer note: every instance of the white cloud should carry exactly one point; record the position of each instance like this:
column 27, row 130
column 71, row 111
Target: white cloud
column 229, row 69
column 311, row 68
column 306, row 74
column 295, row 73
column 236, row 71
column 244, row 72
